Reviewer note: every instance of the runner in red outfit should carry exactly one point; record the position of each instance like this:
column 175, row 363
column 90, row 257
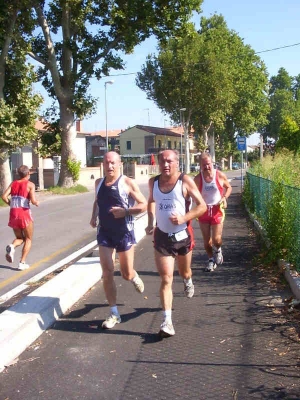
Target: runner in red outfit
column 215, row 189
column 21, row 193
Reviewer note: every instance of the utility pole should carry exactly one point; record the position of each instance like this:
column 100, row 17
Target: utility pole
column 181, row 111
column 261, row 148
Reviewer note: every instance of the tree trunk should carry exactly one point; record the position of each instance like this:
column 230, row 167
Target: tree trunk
column 5, row 175
column 68, row 137
column 205, row 129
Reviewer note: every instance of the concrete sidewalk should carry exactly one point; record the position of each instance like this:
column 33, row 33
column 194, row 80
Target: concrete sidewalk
column 233, row 340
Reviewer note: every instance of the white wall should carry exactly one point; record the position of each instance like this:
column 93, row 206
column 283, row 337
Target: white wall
column 80, row 150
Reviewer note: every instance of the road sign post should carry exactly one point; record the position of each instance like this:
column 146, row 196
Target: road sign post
column 241, row 143
column 242, row 146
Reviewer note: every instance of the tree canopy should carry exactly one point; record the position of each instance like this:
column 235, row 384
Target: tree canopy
column 284, row 103
column 289, row 136
column 18, row 103
column 84, row 39
column 221, row 82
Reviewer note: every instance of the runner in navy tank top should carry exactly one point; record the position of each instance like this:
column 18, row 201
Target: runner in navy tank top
column 114, row 196
column 117, row 199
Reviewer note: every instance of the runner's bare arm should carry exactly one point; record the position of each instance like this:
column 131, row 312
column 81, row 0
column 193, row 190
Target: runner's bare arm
column 192, row 191
column 32, row 197
column 227, row 189
column 150, row 208
column 93, row 221
column 197, row 180
column 140, row 201
column 6, row 194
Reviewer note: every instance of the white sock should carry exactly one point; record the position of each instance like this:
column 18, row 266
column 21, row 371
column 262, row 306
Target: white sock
column 188, row 281
column 114, row 310
column 167, row 315
column 135, row 278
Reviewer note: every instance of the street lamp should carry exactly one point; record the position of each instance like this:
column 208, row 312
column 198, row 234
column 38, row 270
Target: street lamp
column 182, row 125
column 165, row 133
column 110, row 83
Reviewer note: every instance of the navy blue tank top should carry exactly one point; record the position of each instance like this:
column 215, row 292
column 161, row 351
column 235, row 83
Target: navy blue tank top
column 114, row 196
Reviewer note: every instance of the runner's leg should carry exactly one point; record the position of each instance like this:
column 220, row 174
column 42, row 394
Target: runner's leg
column 207, row 240
column 165, row 268
column 184, row 265
column 107, row 260
column 19, row 238
column 126, row 259
column 27, row 235
column 217, row 235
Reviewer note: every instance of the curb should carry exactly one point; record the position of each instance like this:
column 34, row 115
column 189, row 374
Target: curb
column 292, row 277
column 23, row 323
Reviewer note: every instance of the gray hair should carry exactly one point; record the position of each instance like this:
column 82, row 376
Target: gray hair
column 173, row 151
column 23, row 171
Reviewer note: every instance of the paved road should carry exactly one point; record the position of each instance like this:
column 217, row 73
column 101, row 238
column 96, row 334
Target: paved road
column 61, row 228
column 232, row 339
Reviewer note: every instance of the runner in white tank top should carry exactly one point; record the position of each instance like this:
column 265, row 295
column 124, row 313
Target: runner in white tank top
column 169, row 202
column 215, row 189
column 211, row 191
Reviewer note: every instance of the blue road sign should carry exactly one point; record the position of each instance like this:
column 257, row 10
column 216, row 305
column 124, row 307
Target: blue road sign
column 241, row 143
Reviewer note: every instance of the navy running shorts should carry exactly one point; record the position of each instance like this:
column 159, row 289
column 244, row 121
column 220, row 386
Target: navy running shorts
column 116, row 241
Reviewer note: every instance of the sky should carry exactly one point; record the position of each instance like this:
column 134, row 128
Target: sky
column 265, row 25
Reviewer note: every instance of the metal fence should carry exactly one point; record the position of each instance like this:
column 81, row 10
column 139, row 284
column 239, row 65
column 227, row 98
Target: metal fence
column 277, row 208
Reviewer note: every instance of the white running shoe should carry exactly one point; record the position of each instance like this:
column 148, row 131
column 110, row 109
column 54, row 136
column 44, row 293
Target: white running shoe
column 10, row 252
column 219, row 256
column 23, row 266
column 166, row 329
column 211, row 266
column 138, row 283
column 189, row 289
column 111, row 321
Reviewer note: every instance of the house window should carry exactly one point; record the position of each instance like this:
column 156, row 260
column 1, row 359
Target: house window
column 175, row 145
column 128, row 145
column 169, row 144
column 159, row 144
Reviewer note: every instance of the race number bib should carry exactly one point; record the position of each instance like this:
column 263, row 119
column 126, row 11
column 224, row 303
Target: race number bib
column 181, row 235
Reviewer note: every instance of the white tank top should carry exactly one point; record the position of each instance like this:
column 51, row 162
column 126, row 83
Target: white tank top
column 210, row 191
column 169, row 203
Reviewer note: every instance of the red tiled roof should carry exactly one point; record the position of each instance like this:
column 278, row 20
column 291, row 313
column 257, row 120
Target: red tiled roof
column 110, row 133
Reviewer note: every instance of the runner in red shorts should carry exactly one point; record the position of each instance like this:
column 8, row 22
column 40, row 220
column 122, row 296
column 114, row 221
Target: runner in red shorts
column 18, row 196
column 215, row 189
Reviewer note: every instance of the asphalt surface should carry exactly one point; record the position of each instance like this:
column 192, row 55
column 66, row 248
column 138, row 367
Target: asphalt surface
column 233, row 339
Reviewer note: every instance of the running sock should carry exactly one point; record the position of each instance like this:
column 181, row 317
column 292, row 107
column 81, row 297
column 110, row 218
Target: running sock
column 167, row 315
column 114, row 310
column 135, row 278
column 188, row 281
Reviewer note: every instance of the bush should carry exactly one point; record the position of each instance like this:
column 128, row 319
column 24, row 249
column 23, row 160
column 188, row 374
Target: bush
column 272, row 194
column 74, row 169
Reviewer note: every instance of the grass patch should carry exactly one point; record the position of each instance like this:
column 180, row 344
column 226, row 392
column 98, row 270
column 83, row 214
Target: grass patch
column 65, row 191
